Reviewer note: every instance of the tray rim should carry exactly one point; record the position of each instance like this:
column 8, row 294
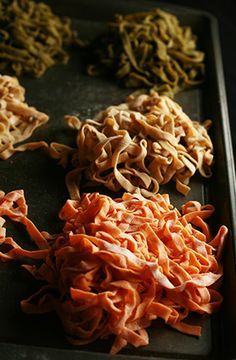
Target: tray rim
column 227, row 138
column 11, row 350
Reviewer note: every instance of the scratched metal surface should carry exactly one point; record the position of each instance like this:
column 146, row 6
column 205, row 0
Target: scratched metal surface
column 68, row 90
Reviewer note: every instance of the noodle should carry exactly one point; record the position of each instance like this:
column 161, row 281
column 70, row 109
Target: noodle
column 120, row 264
column 137, row 146
column 17, row 119
column 32, row 37
column 149, row 49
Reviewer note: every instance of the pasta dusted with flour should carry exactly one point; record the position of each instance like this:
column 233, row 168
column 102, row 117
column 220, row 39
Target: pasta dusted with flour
column 17, row 119
column 138, row 145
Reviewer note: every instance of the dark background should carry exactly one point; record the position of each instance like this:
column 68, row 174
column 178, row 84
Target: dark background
column 225, row 12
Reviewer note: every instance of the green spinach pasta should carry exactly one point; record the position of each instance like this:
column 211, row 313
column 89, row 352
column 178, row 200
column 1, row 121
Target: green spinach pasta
column 149, row 49
column 32, row 38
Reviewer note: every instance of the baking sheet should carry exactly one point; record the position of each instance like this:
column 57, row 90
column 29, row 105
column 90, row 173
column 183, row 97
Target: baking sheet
column 68, row 90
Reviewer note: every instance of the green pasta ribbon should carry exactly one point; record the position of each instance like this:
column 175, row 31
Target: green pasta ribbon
column 151, row 50
column 32, row 38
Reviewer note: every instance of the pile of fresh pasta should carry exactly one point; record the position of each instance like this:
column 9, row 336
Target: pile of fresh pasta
column 17, row 120
column 138, row 145
column 32, row 37
column 121, row 262
column 149, row 49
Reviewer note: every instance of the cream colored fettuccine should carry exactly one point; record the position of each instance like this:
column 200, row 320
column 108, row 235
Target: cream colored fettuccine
column 137, row 146
column 17, row 119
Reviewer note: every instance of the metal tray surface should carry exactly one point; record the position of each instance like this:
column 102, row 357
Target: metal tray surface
column 66, row 89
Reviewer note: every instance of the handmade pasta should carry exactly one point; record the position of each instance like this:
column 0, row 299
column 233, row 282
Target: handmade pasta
column 138, row 145
column 149, row 49
column 120, row 264
column 17, row 119
column 32, row 38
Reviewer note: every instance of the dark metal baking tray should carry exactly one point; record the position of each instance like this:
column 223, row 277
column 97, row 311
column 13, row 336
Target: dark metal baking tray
column 67, row 89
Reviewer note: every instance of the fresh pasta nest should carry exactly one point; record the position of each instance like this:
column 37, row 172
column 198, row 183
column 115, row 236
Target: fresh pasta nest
column 149, row 49
column 120, row 264
column 17, row 119
column 138, row 145
column 32, row 37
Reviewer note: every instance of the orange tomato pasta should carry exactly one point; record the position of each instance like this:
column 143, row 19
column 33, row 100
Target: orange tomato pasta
column 120, row 264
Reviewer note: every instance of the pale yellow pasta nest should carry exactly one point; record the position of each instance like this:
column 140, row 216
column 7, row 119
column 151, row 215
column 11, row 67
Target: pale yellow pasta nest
column 138, row 145
column 17, row 119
